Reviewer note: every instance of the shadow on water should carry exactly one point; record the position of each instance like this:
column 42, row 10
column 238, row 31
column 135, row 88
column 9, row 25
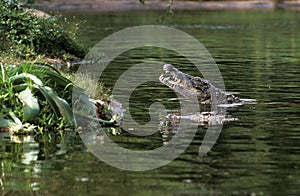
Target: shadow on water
column 258, row 54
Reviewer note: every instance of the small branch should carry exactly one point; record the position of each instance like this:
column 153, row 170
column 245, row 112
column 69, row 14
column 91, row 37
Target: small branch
column 168, row 12
column 171, row 2
column 105, row 122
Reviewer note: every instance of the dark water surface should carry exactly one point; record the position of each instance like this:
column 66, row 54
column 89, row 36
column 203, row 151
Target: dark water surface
column 258, row 54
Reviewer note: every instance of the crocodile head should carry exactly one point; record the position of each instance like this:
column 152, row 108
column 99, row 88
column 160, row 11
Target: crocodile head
column 194, row 87
column 184, row 84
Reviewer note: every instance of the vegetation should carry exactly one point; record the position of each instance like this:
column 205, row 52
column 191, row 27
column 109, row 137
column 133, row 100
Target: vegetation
column 34, row 95
column 26, row 35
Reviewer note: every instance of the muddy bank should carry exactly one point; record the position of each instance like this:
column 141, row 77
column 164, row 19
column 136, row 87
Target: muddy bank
column 116, row 5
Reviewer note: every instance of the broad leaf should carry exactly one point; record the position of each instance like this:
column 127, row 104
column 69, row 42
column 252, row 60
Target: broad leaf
column 31, row 106
column 59, row 105
column 24, row 76
column 14, row 124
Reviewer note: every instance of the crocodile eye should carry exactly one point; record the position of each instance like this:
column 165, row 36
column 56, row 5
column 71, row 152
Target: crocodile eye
column 229, row 99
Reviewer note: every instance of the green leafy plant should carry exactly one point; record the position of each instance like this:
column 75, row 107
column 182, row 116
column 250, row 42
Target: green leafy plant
column 25, row 34
column 28, row 96
column 38, row 95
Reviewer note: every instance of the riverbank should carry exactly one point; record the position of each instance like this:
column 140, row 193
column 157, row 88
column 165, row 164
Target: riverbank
column 118, row 5
column 35, row 97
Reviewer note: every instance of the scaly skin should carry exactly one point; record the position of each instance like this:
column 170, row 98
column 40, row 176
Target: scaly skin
column 190, row 86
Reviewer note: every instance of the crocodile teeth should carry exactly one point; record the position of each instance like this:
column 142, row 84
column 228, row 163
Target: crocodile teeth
column 162, row 78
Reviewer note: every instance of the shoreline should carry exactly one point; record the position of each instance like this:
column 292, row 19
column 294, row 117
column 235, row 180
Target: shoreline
column 125, row 5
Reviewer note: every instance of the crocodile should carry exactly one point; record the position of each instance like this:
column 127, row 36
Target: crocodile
column 191, row 86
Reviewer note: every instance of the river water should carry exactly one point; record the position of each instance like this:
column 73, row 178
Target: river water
column 258, row 55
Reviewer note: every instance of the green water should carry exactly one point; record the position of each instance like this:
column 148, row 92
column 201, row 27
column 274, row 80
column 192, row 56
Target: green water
column 258, row 54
